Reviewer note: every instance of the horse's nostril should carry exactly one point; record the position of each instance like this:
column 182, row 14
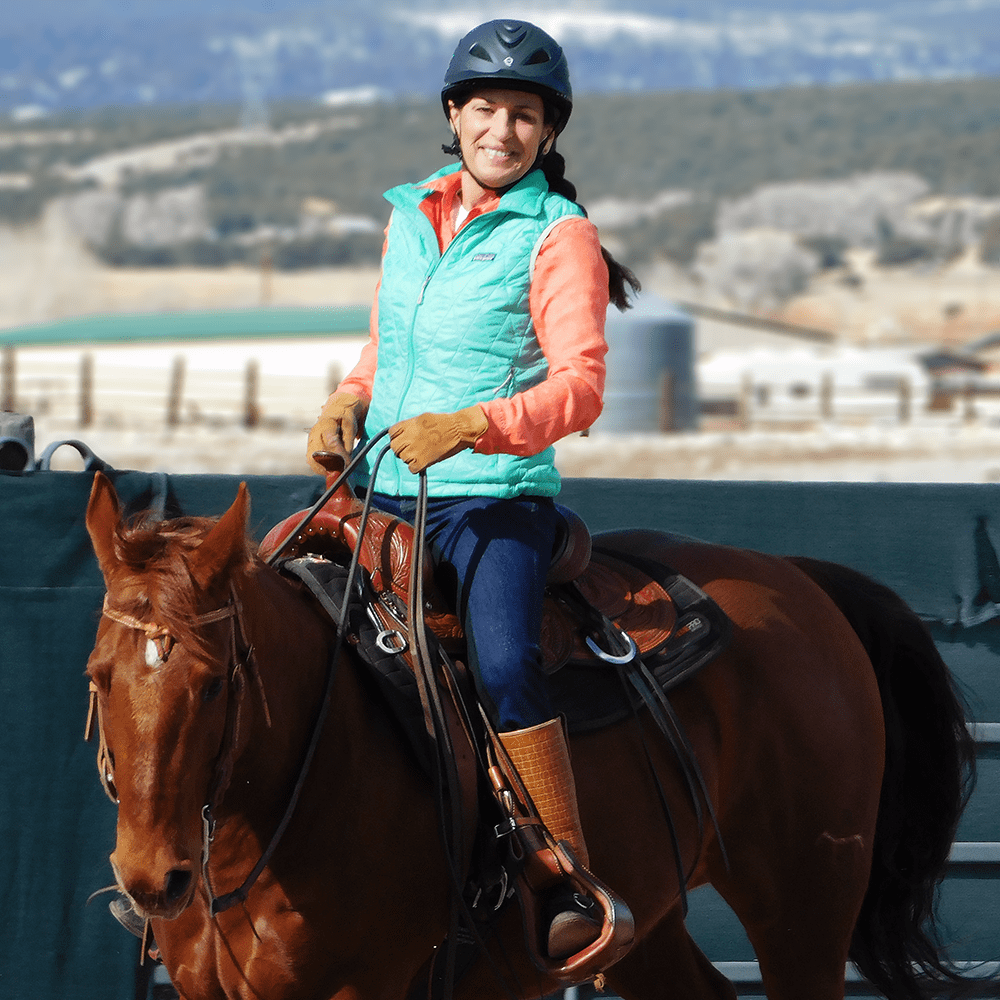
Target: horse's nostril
column 176, row 885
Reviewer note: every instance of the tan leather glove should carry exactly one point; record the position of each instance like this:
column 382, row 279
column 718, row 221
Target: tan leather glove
column 340, row 422
column 432, row 437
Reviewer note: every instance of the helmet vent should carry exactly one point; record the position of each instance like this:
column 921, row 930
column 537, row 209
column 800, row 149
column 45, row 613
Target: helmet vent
column 478, row 52
column 537, row 57
column 511, row 35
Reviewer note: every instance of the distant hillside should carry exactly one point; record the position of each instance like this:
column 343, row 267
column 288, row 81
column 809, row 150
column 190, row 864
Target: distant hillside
column 185, row 184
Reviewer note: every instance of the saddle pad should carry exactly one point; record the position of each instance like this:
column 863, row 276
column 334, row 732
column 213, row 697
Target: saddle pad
column 592, row 695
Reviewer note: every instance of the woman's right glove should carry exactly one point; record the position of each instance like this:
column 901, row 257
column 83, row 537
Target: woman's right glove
column 340, row 423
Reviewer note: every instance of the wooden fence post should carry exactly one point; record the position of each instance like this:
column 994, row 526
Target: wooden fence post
column 905, row 398
column 266, row 276
column 826, row 397
column 8, row 372
column 86, row 390
column 334, row 375
column 667, row 422
column 176, row 394
column 251, row 407
column 968, row 402
column 744, row 405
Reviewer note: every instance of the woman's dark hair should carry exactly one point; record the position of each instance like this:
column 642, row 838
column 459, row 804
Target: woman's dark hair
column 620, row 278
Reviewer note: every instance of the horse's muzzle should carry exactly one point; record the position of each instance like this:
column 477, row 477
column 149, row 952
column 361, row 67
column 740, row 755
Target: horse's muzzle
column 153, row 896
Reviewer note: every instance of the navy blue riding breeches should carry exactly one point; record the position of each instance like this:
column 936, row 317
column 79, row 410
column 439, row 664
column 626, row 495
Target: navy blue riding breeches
column 492, row 556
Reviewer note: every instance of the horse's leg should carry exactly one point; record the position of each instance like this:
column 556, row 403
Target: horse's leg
column 667, row 963
column 800, row 827
column 800, row 924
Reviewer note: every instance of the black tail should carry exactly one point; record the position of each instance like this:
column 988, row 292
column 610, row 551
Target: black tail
column 929, row 776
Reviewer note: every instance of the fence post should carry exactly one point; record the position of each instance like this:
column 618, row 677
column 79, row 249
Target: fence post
column 334, row 375
column 667, row 422
column 968, row 402
column 905, row 397
column 826, row 397
column 86, row 390
column 251, row 408
column 176, row 391
column 266, row 276
column 745, row 403
column 7, row 378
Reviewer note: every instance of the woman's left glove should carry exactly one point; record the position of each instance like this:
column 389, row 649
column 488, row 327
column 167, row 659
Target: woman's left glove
column 432, row 437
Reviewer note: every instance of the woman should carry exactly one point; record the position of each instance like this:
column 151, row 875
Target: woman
column 487, row 345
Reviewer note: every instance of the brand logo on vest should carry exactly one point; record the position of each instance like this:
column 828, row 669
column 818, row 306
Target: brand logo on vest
column 484, row 256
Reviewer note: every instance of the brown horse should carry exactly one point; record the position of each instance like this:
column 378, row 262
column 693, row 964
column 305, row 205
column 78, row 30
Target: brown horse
column 832, row 744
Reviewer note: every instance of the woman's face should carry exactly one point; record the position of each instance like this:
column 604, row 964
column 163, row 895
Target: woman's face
column 500, row 133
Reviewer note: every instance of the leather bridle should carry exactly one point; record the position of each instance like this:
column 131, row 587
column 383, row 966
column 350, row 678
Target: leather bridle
column 241, row 667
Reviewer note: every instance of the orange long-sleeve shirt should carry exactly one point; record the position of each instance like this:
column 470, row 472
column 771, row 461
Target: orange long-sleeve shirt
column 568, row 300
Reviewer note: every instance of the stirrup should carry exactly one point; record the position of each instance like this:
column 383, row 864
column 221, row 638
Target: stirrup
column 543, row 864
column 572, row 921
column 614, row 918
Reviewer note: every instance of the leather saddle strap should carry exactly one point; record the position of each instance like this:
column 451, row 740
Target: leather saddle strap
column 635, row 672
column 448, row 780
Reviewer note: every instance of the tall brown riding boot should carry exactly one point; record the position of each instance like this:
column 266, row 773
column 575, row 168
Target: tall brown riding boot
column 541, row 756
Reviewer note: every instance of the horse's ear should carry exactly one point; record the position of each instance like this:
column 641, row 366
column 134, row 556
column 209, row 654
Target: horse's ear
column 223, row 543
column 104, row 517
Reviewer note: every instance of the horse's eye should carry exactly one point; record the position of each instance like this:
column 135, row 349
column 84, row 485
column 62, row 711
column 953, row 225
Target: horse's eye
column 213, row 689
column 109, row 775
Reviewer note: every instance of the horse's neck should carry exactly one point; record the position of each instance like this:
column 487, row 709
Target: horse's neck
column 293, row 644
column 362, row 788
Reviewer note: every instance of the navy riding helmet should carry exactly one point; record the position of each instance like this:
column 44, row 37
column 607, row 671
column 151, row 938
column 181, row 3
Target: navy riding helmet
column 514, row 55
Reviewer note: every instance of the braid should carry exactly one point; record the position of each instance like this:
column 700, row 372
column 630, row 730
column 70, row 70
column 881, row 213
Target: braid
column 619, row 276
column 554, row 168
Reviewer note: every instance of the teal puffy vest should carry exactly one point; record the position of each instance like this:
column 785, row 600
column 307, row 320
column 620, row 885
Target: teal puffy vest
column 455, row 329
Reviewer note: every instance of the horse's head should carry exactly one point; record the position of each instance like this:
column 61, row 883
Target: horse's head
column 167, row 672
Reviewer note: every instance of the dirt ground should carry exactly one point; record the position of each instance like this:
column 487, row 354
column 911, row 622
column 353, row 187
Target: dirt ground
column 949, row 305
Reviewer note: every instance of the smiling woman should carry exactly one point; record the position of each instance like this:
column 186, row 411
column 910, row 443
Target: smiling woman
column 486, row 347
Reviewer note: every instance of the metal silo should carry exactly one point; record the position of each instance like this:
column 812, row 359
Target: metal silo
column 650, row 383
